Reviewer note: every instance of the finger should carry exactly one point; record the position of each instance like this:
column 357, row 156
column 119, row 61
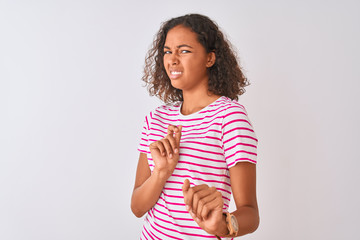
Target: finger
column 167, row 146
column 189, row 195
column 198, row 198
column 216, row 204
column 172, row 129
column 185, row 189
column 158, row 145
column 173, row 143
column 201, row 198
column 178, row 135
column 201, row 212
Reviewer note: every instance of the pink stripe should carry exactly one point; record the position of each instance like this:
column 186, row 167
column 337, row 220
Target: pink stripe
column 204, row 173
column 143, row 151
column 200, row 137
column 172, row 210
column 189, row 234
column 152, row 227
column 224, row 190
column 175, row 182
column 160, row 126
column 193, row 131
column 198, row 129
column 172, row 196
column 202, row 158
column 176, row 189
column 147, row 123
column 177, row 225
column 172, row 203
column 166, row 124
column 168, row 114
column 203, row 123
column 191, row 119
column 179, row 182
column 156, row 135
column 143, row 236
column 194, row 178
column 237, row 144
column 148, row 234
column 202, row 143
column 163, row 232
column 199, row 150
column 238, row 128
column 236, row 120
column 232, row 113
column 202, row 165
column 241, row 160
column 240, row 151
column 213, row 110
column 173, row 189
column 159, row 130
column 179, row 219
column 240, row 136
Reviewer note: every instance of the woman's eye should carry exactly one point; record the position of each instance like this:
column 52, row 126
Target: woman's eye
column 185, row 51
column 167, row 52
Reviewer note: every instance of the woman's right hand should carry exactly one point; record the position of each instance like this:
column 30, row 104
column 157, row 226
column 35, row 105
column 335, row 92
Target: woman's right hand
column 165, row 152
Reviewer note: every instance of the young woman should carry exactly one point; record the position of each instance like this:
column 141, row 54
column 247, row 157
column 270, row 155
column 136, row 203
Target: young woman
column 200, row 147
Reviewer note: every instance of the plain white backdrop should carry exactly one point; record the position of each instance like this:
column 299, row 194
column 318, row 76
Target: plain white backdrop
column 72, row 105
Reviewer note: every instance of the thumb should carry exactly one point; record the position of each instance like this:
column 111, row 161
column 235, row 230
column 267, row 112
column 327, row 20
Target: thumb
column 186, row 186
column 178, row 135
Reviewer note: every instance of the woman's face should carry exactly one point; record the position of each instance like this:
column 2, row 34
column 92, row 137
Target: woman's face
column 186, row 60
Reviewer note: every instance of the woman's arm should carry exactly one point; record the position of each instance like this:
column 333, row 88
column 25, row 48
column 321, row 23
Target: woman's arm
column 205, row 203
column 148, row 186
column 243, row 186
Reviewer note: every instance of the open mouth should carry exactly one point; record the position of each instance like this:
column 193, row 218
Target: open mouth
column 175, row 74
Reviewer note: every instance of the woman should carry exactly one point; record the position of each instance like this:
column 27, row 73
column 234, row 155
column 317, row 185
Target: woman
column 200, row 147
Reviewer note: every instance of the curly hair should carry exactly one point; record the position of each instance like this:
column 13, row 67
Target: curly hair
column 225, row 76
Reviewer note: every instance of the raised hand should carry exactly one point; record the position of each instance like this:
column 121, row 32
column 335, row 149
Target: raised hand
column 165, row 152
column 205, row 205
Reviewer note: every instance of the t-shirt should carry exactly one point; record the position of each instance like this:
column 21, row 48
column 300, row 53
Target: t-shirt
column 213, row 140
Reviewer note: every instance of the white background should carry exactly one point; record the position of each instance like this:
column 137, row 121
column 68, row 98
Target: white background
column 72, row 106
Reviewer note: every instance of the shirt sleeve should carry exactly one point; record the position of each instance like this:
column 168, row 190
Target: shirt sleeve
column 238, row 136
column 144, row 139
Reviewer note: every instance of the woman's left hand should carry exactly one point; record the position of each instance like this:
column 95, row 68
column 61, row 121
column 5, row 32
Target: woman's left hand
column 205, row 205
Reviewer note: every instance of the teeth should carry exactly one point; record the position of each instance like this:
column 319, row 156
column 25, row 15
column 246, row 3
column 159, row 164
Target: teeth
column 175, row 73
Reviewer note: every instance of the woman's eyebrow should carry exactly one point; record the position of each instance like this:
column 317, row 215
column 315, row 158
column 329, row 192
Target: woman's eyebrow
column 180, row 46
column 184, row 45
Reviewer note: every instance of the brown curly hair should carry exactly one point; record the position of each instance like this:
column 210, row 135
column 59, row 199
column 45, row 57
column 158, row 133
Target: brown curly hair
column 225, row 76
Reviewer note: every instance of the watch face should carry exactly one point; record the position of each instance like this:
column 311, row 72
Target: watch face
column 234, row 223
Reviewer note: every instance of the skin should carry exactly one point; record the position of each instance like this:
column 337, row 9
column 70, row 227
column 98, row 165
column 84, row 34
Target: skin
column 186, row 62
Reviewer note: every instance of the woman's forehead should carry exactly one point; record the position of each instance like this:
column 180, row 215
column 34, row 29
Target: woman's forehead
column 181, row 35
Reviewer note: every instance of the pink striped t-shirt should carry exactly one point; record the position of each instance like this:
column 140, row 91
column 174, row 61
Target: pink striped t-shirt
column 213, row 140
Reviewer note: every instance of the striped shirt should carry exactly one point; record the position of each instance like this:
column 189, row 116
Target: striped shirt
column 213, row 140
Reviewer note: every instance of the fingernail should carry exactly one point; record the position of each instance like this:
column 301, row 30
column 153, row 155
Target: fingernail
column 187, row 208
column 176, row 150
column 170, row 155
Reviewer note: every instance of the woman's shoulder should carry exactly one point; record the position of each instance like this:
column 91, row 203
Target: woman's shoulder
column 230, row 105
column 170, row 109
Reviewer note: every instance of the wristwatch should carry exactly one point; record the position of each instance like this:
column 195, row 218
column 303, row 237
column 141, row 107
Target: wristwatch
column 232, row 225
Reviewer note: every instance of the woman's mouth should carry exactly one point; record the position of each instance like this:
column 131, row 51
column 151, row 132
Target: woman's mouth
column 175, row 74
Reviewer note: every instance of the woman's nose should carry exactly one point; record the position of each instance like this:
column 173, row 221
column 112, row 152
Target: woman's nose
column 174, row 59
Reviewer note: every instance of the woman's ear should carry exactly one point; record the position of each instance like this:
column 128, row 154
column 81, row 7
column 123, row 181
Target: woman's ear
column 211, row 59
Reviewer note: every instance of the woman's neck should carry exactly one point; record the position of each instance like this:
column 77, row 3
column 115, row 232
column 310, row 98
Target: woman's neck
column 194, row 102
